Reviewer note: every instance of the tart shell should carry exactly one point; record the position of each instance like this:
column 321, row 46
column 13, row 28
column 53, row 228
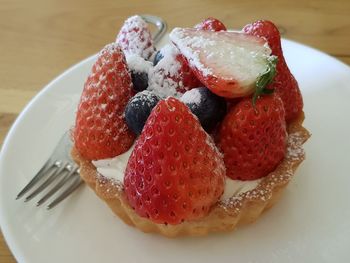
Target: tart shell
column 225, row 215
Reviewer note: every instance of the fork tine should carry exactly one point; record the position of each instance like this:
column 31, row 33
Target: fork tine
column 59, row 185
column 67, row 192
column 35, row 179
column 53, row 175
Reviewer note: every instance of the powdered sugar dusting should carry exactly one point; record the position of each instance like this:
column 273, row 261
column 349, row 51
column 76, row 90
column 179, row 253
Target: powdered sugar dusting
column 137, row 63
column 110, row 48
column 135, row 37
column 145, row 97
column 109, row 186
column 293, row 150
column 183, row 42
column 192, row 96
column 231, row 56
column 162, row 78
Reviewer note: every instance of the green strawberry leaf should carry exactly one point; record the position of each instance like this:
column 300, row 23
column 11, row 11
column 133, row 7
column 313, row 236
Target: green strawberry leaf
column 265, row 79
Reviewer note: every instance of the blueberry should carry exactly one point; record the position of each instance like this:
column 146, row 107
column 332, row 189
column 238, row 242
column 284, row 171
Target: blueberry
column 139, row 80
column 139, row 108
column 208, row 107
column 139, row 69
column 157, row 57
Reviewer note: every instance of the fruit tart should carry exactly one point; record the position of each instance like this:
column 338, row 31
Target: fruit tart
column 200, row 136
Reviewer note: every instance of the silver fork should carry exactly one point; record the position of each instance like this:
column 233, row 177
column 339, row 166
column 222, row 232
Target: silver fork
column 60, row 168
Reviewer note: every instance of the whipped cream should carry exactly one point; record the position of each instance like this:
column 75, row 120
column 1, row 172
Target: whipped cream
column 236, row 187
column 114, row 168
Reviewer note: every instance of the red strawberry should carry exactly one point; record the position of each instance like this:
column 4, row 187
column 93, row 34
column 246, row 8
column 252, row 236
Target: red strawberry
column 175, row 172
column 100, row 129
column 212, row 24
column 284, row 83
column 135, row 38
column 253, row 140
column 186, row 76
column 228, row 63
column 172, row 75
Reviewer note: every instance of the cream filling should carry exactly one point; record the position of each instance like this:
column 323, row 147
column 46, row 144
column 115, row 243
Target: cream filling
column 114, row 169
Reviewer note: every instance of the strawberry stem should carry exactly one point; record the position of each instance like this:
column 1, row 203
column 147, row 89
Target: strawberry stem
column 265, row 79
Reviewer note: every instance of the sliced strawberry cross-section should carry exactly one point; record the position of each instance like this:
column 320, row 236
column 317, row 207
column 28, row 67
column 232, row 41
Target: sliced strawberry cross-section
column 228, row 63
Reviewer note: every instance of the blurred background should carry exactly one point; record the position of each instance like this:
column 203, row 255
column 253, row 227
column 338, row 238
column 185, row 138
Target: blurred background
column 39, row 39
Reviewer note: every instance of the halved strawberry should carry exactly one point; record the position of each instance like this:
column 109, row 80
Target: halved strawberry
column 135, row 38
column 175, row 171
column 100, row 129
column 228, row 63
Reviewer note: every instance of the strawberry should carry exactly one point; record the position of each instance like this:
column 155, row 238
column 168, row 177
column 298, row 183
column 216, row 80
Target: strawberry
column 253, row 139
column 230, row 64
column 186, row 76
column 182, row 79
column 212, row 24
column 175, row 171
column 135, row 38
column 172, row 75
column 284, row 82
column 100, row 129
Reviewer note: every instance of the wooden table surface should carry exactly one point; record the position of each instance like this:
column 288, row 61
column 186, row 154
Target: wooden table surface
column 41, row 38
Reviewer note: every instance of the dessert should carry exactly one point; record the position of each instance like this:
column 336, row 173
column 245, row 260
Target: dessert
column 201, row 136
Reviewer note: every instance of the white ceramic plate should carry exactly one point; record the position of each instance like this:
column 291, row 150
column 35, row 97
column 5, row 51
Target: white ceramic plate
column 310, row 223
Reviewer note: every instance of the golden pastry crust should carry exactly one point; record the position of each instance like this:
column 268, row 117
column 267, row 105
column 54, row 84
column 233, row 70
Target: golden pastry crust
column 225, row 215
